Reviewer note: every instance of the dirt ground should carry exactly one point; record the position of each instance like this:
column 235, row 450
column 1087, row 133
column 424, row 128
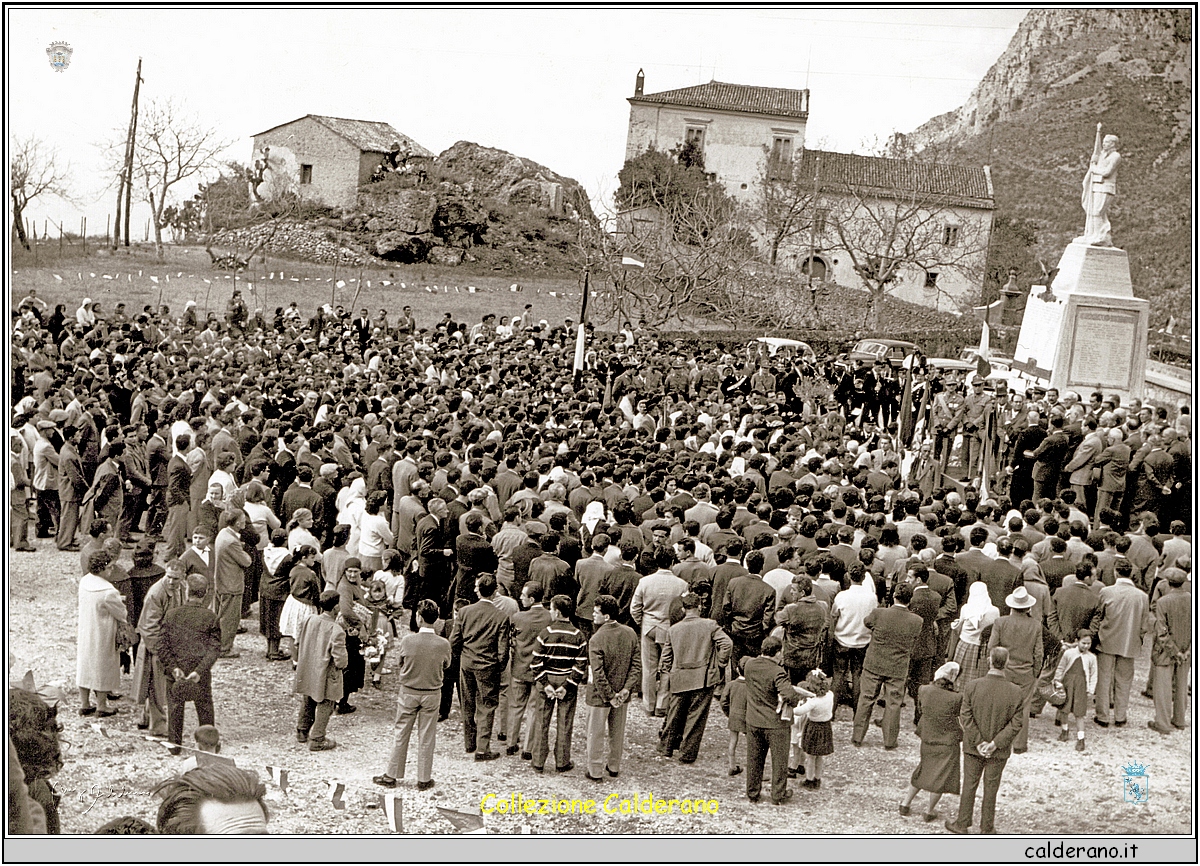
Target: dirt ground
column 109, row 772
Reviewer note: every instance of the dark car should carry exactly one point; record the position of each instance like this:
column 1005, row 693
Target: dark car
column 892, row 351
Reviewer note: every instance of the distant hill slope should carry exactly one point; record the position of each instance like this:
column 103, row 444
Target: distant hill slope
column 1033, row 119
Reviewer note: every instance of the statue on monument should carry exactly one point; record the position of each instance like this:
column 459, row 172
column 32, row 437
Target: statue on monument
column 1099, row 190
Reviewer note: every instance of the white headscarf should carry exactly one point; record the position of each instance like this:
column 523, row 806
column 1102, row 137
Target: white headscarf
column 978, row 613
column 593, row 514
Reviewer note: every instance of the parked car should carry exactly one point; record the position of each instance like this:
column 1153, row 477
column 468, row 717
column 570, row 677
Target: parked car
column 1000, row 363
column 774, row 345
column 892, row 351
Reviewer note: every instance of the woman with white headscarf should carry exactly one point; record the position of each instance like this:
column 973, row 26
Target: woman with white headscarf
column 351, row 503
column 970, row 633
column 941, row 741
column 86, row 315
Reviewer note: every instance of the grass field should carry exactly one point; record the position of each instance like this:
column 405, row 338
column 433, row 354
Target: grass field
column 137, row 277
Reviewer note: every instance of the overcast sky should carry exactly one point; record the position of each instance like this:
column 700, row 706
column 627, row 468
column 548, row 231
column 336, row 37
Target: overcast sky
column 546, row 84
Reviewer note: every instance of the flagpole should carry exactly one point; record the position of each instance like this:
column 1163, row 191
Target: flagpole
column 580, row 336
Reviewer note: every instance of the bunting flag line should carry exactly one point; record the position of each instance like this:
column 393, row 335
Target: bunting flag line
column 464, row 822
column 393, row 810
column 341, row 284
column 57, row 277
column 337, row 793
column 279, row 775
column 154, row 280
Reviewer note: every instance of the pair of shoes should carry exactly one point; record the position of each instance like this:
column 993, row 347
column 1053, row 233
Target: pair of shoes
column 87, row 711
column 734, row 771
column 539, row 770
column 930, row 817
column 28, row 548
column 787, row 795
column 174, row 750
column 814, row 784
column 588, row 775
column 1079, row 747
column 70, row 548
column 791, row 773
column 1100, row 722
column 687, row 760
column 890, row 748
column 346, row 709
column 1063, row 736
column 486, row 756
column 612, row 774
column 1153, row 725
column 503, row 738
column 566, row 768
column 754, row 798
column 905, row 811
column 527, row 756
column 301, row 736
column 231, row 655
column 512, row 750
column 143, row 726
column 1017, row 751
column 1121, row 724
column 856, row 743
column 322, row 745
column 104, row 714
column 385, row 780
column 955, row 828
column 424, row 786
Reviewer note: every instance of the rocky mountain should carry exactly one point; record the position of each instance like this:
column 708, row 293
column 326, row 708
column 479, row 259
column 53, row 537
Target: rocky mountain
column 1033, row 119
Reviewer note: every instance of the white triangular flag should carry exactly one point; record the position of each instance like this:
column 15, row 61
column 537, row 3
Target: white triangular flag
column 631, row 262
column 341, row 284
column 57, row 277
column 154, row 279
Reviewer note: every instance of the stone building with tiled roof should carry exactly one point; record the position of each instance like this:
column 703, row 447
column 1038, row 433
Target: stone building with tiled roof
column 754, row 136
column 326, row 158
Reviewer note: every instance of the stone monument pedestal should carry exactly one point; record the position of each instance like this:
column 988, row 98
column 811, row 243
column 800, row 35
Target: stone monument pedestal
column 1087, row 331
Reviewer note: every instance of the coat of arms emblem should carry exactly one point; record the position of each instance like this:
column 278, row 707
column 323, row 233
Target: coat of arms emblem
column 59, row 54
column 1136, row 783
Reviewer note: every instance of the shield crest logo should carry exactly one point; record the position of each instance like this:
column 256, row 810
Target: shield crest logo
column 60, row 55
column 1136, row 783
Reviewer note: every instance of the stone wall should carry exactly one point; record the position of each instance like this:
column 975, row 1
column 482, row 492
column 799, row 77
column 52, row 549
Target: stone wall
column 293, row 240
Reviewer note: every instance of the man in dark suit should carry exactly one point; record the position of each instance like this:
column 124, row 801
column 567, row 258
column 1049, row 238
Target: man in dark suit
column 1020, row 632
column 973, row 560
column 767, row 684
column 1056, row 567
column 179, row 499
column 925, row 603
column 614, row 653
column 1049, row 458
column 894, row 633
column 189, row 643
column 474, row 556
column 481, row 635
column 71, row 489
column 749, row 608
column 694, row 653
column 301, row 495
column 990, row 717
column 1000, row 575
column 435, row 558
column 526, row 625
column 943, row 585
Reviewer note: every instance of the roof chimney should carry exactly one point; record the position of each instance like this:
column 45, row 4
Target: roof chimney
column 641, row 83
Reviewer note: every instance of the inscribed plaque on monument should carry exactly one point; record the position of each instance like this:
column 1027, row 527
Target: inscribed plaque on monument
column 1102, row 345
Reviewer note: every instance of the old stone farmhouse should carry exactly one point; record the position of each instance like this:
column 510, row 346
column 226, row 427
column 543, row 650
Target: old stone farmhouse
column 324, row 159
column 753, row 137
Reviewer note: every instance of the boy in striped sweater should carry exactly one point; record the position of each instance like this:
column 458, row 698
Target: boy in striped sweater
column 559, row 668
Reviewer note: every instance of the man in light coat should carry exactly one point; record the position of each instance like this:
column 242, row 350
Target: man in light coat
column 1123, row 622
column 1083, row 461
column 615, row 658
column 694, row 653
column 320, row 656
column 651, row 609
column 150, row 685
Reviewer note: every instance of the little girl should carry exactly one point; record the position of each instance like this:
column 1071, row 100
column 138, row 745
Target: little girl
column 816, row 714
column 376, row 630
column 1076, row 675
column 733, row 702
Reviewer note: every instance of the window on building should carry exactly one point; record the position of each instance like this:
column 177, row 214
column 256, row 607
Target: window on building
column 695, row 135
column 781, row 158
column 950, row 236
column 931, row 279
column 305, row 174
column 820, row 220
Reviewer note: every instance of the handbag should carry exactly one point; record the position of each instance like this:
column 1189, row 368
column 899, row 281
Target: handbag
column 1053, row 694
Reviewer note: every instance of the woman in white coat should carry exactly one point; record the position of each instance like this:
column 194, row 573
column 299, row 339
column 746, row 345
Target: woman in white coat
column 101, row 615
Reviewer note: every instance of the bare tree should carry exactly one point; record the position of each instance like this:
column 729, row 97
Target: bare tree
column 894, row 235
column 172, row 146
column 34, row 172
column 784, row 208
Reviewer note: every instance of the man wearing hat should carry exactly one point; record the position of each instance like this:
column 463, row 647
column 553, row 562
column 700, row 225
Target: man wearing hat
column 1172, row 652
column 1020, row 633
column 45, row 479
column 71, row 489
column 150, row 685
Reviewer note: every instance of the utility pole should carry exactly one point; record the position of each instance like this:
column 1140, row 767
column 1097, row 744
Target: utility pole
column 812, row 225
column 132, row 143
column 125, row 181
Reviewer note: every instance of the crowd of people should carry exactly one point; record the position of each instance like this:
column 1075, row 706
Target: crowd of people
column 455, row 507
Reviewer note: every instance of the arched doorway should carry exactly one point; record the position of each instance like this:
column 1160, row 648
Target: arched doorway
column 817, row 265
